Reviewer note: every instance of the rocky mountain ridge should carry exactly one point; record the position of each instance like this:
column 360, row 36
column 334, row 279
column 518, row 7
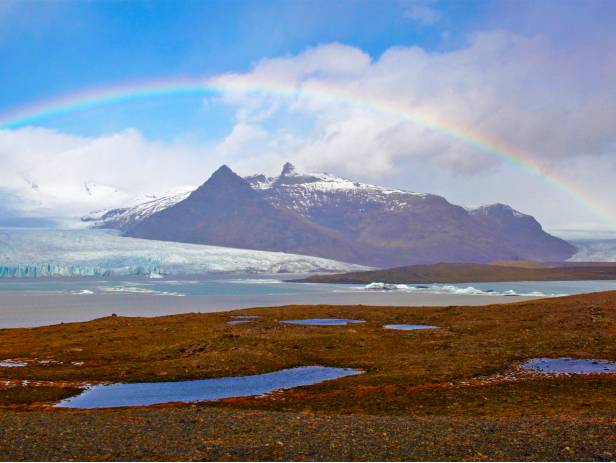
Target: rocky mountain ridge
column 328, row 216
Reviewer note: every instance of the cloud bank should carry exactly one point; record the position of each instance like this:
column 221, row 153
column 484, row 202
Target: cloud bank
column 524, row 90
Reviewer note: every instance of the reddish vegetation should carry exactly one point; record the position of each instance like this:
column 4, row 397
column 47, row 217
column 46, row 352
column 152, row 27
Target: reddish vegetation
column 453, row 392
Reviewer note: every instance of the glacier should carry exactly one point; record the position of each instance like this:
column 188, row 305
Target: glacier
column 602, row 250
column 69, row 253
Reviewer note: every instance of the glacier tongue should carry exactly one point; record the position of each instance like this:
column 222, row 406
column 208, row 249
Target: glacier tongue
column 43, row 253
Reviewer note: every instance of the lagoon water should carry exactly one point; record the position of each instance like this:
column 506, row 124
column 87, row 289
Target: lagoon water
column 136, row 394
column 44, row 301
column 11, row 364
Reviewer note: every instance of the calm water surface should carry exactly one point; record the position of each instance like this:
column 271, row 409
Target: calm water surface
column 404, row 327
column 36, row 302
column 322, row 321
column 133, row 394
column 566, row 365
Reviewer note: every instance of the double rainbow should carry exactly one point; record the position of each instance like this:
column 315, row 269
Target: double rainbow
column 41, row 111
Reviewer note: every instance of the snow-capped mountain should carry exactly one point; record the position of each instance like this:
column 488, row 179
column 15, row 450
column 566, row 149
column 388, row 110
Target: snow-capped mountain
column 227, row 211
column 307, row 194
column 328, row 216
column 126, row 217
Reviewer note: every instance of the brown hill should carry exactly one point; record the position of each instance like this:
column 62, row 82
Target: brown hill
column 472, row 273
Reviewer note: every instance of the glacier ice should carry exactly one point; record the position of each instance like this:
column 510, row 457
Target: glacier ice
column 453, row 289
column 594, row 251
column 42, row 253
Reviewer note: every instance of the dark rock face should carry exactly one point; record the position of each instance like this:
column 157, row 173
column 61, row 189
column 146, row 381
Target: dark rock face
column 327, row 216
column 522, row 233
column 226, row 211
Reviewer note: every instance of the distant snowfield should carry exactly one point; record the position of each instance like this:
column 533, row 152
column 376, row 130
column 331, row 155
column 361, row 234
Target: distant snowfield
column 594, row 251
column 35, row 253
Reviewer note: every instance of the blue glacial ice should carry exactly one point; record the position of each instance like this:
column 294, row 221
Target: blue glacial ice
column 43, row 253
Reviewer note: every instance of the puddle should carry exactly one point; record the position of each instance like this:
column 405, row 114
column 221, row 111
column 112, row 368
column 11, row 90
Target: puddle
column 12, row 363
column 134, row 394
column 242, row 319
column 568, row 365
column 322, row 321
column 404, row 327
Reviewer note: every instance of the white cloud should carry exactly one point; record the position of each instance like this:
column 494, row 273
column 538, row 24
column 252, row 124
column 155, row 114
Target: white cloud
column 423, row 12
column 49, row 173
column 508, row 87
column 520, row 90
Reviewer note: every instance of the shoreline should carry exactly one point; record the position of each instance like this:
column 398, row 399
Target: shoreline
column 452, row 273
column 33, row 310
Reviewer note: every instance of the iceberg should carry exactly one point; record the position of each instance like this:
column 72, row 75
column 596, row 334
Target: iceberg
column 69, row 253
column 385, row 286
column 452, row 289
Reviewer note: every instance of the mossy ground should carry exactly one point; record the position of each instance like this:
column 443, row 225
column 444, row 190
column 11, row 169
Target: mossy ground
column 423, row 395
column 405, row 371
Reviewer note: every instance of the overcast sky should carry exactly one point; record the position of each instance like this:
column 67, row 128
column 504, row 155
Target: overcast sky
column 537, row 76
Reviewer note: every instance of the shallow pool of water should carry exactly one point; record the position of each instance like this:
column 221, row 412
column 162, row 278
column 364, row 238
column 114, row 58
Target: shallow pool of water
column 238, row 322
column 12, row 363
column 566, row 365
column 134, row 394
column 245, row 316
column 322, row 321
column 405, row 327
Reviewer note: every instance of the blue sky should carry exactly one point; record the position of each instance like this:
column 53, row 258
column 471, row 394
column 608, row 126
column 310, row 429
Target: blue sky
column 536, row 75
column 53, row 48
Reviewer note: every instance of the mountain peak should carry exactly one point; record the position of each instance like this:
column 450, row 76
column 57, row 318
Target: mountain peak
column 287, row 169
column 224, row 179
column 224, row 174
column 499, row 209
column 223, row 170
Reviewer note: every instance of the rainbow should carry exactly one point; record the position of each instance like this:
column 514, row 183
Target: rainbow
column 97, row 97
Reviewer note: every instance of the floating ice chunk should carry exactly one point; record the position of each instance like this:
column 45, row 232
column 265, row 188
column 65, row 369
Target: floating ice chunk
column 385, row 286
column 452, row 289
